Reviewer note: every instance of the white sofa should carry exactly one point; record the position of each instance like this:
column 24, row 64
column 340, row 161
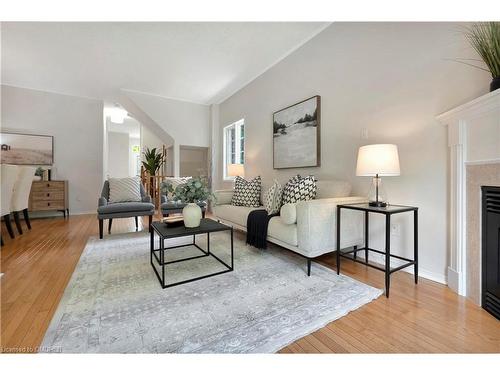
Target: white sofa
column 309, row 228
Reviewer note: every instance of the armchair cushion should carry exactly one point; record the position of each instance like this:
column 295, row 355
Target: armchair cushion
column 131, row 207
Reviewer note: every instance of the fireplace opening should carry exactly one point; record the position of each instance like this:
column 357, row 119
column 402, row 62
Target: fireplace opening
column 490, row 298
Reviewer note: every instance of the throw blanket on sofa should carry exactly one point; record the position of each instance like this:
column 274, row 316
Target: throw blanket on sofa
column 257, row 223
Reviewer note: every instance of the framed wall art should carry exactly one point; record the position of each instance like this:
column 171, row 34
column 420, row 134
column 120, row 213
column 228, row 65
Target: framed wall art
column 296, row 135
column 26, row 149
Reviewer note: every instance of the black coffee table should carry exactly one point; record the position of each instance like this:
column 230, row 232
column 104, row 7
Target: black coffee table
column 207, row 226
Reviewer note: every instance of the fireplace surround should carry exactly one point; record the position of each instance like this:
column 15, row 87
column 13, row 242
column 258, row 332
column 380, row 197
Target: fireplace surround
column 474, row 161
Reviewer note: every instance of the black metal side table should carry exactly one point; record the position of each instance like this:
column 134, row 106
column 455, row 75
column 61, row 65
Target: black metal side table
column 388, row 212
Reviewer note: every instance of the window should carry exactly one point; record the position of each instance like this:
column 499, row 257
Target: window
column 234, row 145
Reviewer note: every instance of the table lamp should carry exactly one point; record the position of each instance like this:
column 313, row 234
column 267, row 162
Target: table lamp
column 234, row 170
column 377, row 161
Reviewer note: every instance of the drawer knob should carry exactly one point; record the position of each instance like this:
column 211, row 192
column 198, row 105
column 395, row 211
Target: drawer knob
column 48, row 204
column 48, row 185
column 48, row 194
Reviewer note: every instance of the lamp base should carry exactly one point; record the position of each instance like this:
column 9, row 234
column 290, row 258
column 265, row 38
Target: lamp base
column 377, row 204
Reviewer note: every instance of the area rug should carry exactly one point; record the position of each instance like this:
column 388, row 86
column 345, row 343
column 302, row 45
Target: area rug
column 115, row 304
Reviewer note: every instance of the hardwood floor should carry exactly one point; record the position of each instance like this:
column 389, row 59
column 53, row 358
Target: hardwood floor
column 428, row 318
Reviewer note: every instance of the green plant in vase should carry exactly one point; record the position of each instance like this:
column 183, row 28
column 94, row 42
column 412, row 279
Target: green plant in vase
column 191, row 193
column 484, row 37
column 153, row 161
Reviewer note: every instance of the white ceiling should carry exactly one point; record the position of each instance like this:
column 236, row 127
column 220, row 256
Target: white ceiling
column 197, row 62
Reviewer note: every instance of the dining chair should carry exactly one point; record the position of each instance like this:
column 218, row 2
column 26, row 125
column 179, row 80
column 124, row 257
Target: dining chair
column 21, row 195
column 8, row 179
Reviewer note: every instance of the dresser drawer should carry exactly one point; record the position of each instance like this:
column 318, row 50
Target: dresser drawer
column 47, row 185
column 48, row 195
column 47, row 205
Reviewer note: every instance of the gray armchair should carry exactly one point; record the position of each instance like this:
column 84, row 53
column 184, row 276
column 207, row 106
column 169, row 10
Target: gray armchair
column 112, row 211
column 170, row 207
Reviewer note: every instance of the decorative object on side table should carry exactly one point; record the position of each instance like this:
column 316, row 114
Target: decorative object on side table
column 296, row 135
column 377, row 161
column 192, row 193
column 484, row 37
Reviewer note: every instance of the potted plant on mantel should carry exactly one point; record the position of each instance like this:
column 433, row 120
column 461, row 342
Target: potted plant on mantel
column 192, row 192
column 484, row 37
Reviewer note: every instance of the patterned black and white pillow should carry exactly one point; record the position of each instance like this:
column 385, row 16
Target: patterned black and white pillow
column 272, row 201
column 246, row 193
column 299, row 189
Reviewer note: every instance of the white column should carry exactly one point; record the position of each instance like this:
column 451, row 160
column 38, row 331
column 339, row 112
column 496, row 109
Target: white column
column 457, row 267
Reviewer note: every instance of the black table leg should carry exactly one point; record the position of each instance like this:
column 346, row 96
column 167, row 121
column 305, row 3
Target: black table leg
column 152, row 246
column 232, row 250
column 208, row 243
column 387, row 254
column 366, row 236
column 338, row 240
column 415, row 243
column 162, row 261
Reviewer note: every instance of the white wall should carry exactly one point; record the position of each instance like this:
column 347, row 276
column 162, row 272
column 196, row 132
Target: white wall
column 118, row 154
column 389, row 78
column 77, row 126
column 187, row 123
column 132, row 167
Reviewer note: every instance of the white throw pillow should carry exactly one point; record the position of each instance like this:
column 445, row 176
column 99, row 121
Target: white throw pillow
column 124, row 190
column 288, row 213
column 272, row 201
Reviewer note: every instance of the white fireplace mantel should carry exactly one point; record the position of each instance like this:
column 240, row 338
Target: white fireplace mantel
column 473, row 137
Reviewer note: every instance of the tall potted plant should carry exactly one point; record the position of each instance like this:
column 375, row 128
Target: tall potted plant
column 192, row 192
column 152, row 161
column 484, row 37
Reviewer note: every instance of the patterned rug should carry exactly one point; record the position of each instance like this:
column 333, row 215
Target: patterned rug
column 114, row 302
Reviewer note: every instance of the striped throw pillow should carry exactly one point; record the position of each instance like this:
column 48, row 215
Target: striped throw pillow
column 124, row 190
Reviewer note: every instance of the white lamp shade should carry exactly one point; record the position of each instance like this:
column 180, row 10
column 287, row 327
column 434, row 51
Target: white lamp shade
column 235, row 170
column 380, row 159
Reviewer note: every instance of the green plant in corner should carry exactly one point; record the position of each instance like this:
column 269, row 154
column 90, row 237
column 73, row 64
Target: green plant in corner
column 39, row 172
column 193, row 191
column 484, row 37
column 152, row 161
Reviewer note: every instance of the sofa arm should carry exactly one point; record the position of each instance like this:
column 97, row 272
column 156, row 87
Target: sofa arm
column 102, row 202
column 163, row 198
column 147, row 199
column 317, row 224
column 223, row 197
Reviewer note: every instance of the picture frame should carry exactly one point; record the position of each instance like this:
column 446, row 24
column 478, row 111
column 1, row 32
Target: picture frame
column 26, row 149
column 297, row 135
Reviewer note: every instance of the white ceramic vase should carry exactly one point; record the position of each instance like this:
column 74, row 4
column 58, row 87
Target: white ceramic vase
column 192, row 215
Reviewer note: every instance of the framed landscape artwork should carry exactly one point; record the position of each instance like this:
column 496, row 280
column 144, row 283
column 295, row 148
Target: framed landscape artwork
column 296, row 135
column 26, row 149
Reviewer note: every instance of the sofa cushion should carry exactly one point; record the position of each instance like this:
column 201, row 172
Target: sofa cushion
column 332, row 189
column 125, row 207
column 246, row 193
column 126, row 189
column 299, row 189
column 272, row 201
column 288, row 213
column 234, row 214
column 282, row 232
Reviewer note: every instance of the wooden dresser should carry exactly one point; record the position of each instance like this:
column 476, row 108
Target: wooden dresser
column 49, row 196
